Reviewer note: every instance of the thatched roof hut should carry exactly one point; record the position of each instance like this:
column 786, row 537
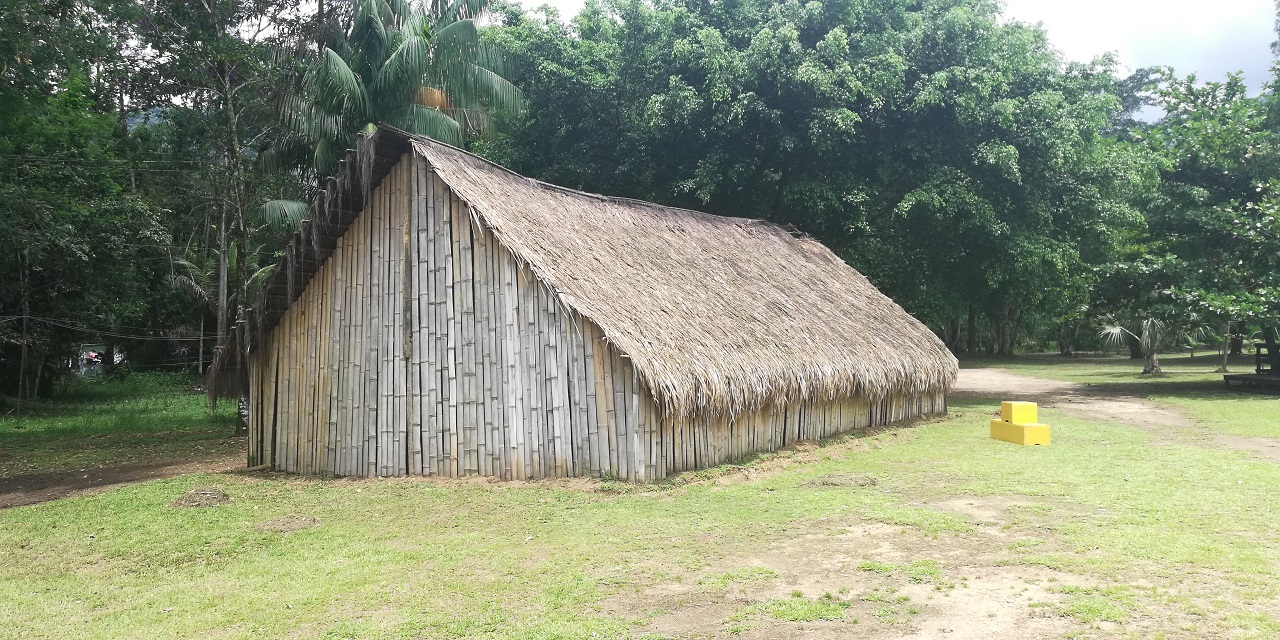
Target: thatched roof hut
column 691, row 323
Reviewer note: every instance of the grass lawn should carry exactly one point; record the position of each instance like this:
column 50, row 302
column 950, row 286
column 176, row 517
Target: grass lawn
column 1111, row 531
column 1192, row 384
column 96, row 433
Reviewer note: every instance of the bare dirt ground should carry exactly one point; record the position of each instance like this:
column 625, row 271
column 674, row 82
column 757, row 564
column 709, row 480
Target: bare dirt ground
column 32, row 488
column 1100, row 402
column 1088, row 401
column 970, row 598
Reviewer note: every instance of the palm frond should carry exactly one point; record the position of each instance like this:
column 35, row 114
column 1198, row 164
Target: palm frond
column 432, row 123
column 306, row 119
column 1152, row 334
column 190, row 282
column 493, row 90
column 461, row 9
column 326, row 156
column 284, row 215
column 189, row 287
column 402, row 72
column 339, row 88
column 255, row 281
column 1115, row 335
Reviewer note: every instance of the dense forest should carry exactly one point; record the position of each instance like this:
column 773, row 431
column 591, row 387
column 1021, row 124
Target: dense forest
column 155, row 156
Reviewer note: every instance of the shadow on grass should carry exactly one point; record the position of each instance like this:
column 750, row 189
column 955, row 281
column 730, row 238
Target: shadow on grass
column 140, row 403
column 127, row 422
column 34, row 488
column 110, row 431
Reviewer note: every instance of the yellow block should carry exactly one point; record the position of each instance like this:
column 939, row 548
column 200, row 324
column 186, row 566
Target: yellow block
column 1019, row 412
column 1027, row 434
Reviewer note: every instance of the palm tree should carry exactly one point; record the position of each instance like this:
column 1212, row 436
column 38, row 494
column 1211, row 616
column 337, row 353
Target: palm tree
column 1152, row 335
column 419, row 67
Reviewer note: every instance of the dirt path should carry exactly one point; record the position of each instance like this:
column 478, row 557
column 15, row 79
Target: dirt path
column 1098, row 402
column 33, row 488
column 971, row 597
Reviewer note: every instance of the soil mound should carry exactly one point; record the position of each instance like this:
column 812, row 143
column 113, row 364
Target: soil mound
column 201, row 497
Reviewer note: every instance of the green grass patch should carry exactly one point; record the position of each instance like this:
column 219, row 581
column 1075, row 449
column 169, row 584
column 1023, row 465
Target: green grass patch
column 136, row 404
column 917, row 571
column 1110, row 604
column 795, row 609
column 745, row 575
column 91, row 422
column 883, row 568
column 1191, row 384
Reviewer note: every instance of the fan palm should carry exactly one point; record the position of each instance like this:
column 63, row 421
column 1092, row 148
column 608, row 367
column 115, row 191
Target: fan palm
column 419, row 67
column 1152, row 334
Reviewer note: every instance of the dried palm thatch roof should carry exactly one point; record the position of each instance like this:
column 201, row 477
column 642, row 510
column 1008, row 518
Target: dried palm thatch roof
column 717, row 314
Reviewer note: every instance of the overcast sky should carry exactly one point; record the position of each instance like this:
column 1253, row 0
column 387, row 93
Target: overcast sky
column 1208, row 38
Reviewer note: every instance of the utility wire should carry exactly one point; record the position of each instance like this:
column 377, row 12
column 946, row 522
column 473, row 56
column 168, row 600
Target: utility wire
column 84, row 329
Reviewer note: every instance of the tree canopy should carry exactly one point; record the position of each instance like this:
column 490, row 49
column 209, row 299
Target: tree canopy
column 156, row 155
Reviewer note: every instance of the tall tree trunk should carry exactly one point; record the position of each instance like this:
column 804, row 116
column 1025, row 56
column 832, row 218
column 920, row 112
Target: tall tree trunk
column 1007, row 329
column 971, row 339
column 200, row 358
column 1226, row 346
column 223, row 267
column 1015, row 326
column 1067, row 331
column 1135, row 346
column 1153, row 363
column 239, row 202
column 26, row 318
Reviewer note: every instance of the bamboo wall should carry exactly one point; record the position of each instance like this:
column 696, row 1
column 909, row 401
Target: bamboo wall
column 422, row 347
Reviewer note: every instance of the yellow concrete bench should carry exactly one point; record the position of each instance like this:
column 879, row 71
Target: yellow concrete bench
column 1018, row 424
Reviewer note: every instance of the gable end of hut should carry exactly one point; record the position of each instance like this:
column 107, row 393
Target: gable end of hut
column 421, row 324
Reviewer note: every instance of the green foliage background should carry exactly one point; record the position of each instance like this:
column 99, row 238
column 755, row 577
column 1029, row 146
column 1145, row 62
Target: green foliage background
column 1007, row 197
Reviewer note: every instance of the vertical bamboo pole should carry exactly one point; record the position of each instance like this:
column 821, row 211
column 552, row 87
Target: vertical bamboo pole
column 416, row 327
column 451, row 330
column 514, row 424
column 403, row 338
column 484, row 418
column 620, row 391
column 495, row 402
column 356, row 349
column 606, row 408
column 395, row 370
column 535, row 381
column 435, row 306
column 338, row 370
column 325, row 307
column 556, row 383
column 347, row 364
column 465, row 327
column 507, row 341
column 590, row 378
